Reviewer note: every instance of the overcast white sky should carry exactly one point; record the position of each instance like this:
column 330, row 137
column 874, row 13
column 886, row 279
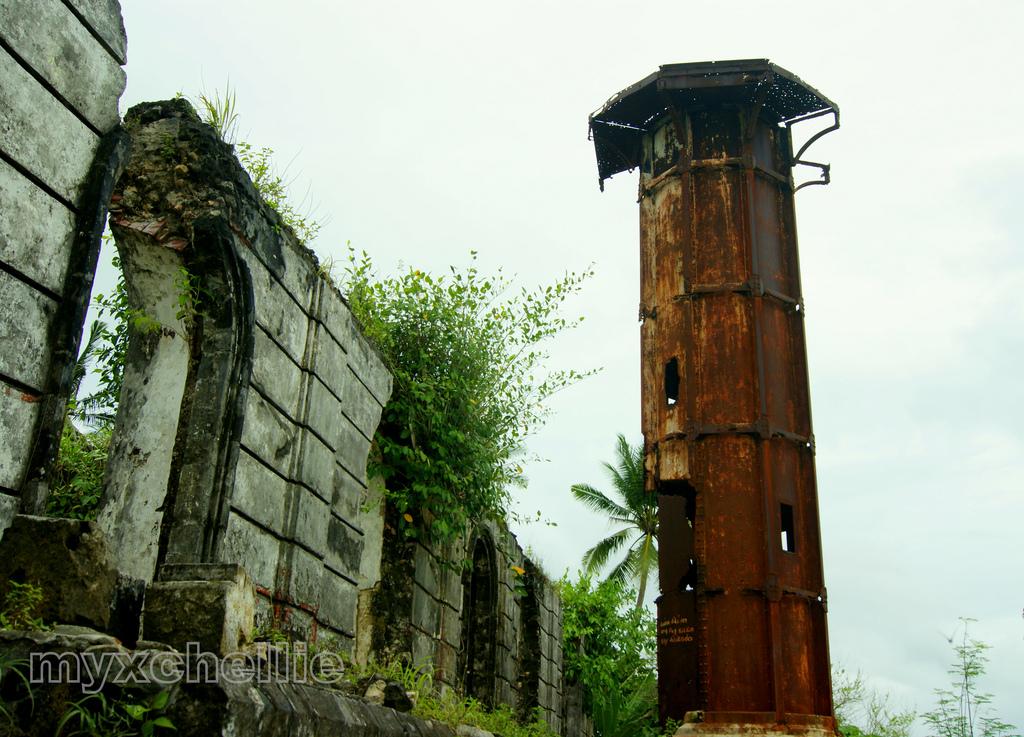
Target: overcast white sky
column 424, row 130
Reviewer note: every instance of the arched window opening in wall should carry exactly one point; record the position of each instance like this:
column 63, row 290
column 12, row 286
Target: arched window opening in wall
column 529, row 652
column 479, row 622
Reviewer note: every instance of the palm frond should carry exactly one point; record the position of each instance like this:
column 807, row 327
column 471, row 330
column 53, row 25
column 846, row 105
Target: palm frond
column 631, row 470
column 633, row 507
column 625, row 570
column 85, row 356
column 596, row 558
column 598, row 500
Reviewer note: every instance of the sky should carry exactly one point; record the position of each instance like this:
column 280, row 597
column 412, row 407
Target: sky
column 421, row 131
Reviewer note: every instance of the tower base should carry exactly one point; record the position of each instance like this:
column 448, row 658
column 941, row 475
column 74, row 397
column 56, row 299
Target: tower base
column 755, row 724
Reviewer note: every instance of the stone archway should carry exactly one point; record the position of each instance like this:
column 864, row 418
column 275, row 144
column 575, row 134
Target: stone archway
column 479, row 621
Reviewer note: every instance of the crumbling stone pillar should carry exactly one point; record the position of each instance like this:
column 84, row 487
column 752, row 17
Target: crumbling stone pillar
column 250, row 396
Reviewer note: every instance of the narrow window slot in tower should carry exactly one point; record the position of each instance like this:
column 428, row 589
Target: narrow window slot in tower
column 788, row 532
column 672, row 382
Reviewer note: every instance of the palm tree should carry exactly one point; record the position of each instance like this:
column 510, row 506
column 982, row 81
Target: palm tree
column 634, row 508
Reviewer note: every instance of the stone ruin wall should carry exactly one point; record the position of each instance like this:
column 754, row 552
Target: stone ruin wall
column 425, row 606
column 246, row 419
column 244, row 424
column 61, row 68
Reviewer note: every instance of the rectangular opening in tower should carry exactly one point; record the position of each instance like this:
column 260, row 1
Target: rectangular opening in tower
column 788, row 532
column 672, row 382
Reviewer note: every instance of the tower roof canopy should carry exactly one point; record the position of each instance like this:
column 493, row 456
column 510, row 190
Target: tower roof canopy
column 618, row 126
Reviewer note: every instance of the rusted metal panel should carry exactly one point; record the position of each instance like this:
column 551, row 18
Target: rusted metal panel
column 678, row 655
column 726, row 407
column 736, row 677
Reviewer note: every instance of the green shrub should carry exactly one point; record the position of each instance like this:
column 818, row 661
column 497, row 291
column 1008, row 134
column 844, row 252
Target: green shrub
column 863, row 710
column 13, row 678
column 22, row 604
column 609, row 648
column 96, row 715
column 76, row 484
column 964, row 710
column 466, row 352
column 448, row 707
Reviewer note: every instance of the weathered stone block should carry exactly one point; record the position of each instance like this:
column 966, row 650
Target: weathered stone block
column 348, row 494
column 468, row 730
column 26, row 319
column 426, row 612
column 556, row 651
column 211, row 605
column 547, row 671
column 353, row 449
column 329, row 361
column 104, row 17
column 70, row 561
column 359, row 404
column 422, row 649
column 507, row 632
column 324, row 411
column 506, row 664
column 546, row 620
column 370, row 519
column 41, row 134
column 18, row 413
column 506, row 602
column 299, row 275
column 505, row 693
column 50, row 39
column 304, row 577
column 275, row 374
column 276, row 311
column 451, row 626
column 446, row 663
column 427, row 571
column 316, row 465
column 312, row 519
column 36, row 231
column 259, row 493
column 253, row 548
column 546, row 645
column 8, row 509
column 336, row 317
column 344, row 548
column 339, row 602
column 268, row 434
column 453, row 587
column 545, row 695
column 367, row 364
column 548, row 598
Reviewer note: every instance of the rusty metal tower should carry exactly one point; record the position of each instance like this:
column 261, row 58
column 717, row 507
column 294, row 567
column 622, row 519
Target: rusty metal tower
column 726, row 415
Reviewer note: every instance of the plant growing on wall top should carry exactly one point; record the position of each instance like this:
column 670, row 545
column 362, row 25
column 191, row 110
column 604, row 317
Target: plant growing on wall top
column 466, row 353
column 221, row 112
